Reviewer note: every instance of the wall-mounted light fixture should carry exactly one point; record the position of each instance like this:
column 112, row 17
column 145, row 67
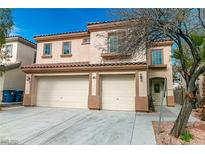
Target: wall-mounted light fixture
column 28, row 78
column 141, row 77
column 93, row 76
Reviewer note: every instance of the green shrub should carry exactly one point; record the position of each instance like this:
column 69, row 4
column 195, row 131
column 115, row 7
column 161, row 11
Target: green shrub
column 186, row 136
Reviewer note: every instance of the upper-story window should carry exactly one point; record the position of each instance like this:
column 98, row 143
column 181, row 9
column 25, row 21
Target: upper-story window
column 157, row 57
column 86, row 40
column 66, row 48
column 8, row 49
column 47, row 49
column 115, row 41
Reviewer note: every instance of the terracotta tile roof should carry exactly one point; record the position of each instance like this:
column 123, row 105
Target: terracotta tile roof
column 72, row 32
column 54, row 65
column 79, row 64
column 104, row 22
column 21, row 39
column 80, row 31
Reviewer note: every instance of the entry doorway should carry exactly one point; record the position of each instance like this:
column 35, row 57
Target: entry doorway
column 157, row 90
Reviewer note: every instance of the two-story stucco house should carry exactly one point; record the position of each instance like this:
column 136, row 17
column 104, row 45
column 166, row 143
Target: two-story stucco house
column 72, row 71
column 21, row 52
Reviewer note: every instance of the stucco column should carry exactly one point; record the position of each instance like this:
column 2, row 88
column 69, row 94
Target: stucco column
column 170, row 97
column 29, row 91
column 94, row 98
column 170, row 93
column 141, row 98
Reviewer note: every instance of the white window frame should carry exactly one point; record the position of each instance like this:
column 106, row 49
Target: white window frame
column 9, row 52
column 44, row 49
column 69, row 43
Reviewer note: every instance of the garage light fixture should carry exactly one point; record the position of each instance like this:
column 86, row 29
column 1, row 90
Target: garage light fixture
column 141, row 77
column 28, row 78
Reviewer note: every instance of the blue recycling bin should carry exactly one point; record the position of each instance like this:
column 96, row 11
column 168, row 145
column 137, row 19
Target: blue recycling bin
column 9, row 96
column 19, row 95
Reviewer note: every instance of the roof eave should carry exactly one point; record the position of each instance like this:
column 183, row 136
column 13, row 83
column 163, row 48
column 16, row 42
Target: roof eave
column 107, row 26
column 85, row 68
column 162, row 43
column 51, row 37
column 21, row 40
column 7, row 67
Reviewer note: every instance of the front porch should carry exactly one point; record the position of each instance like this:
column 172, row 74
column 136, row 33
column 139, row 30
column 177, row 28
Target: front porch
column 159, row 93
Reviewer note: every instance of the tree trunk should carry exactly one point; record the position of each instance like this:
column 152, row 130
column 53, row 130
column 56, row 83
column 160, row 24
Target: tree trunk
column 182, row 119
column 203, row 112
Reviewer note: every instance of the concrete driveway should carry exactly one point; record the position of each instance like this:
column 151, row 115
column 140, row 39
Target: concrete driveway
column 38, row 125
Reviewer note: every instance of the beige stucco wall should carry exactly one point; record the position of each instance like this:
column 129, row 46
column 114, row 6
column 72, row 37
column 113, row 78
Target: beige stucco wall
column 1, row 81
column 80, row 53
column 21, row 52
column 142, row 83
column 164, row 73
column 99, row 45
column 27, row 83
column 14, row 52
column 25, row 54
column 15, row 79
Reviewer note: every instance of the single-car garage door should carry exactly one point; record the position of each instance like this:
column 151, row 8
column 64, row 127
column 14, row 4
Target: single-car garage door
column 62, row 91
column 118, row 92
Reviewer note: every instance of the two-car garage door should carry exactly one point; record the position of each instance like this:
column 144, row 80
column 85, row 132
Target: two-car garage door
column 118, row 92
column 62, row 91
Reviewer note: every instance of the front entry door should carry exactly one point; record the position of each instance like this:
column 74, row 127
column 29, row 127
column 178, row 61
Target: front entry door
column 157, row 89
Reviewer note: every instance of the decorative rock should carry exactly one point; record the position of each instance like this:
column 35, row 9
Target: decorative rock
column 199, row 125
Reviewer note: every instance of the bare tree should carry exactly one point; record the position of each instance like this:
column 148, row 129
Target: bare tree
column 185, row 27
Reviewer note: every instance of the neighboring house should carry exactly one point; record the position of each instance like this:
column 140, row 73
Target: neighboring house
column 21, row 52
column 83, row 70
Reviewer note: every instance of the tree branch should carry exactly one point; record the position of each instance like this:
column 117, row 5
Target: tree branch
column 194, row 53
column 195, row 76
column 200, row 19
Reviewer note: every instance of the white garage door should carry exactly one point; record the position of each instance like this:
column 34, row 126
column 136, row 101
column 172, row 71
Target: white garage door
column 118, row 92
column 66, row 91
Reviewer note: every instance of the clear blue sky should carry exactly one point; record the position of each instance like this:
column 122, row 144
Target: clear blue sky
column 29, row 22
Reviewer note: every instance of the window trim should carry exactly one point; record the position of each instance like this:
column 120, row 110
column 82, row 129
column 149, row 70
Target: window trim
column 47, row 55
column 11, row 54
column 119, row 32
column 162, row 51
column 70, row 47
column 111, row 34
